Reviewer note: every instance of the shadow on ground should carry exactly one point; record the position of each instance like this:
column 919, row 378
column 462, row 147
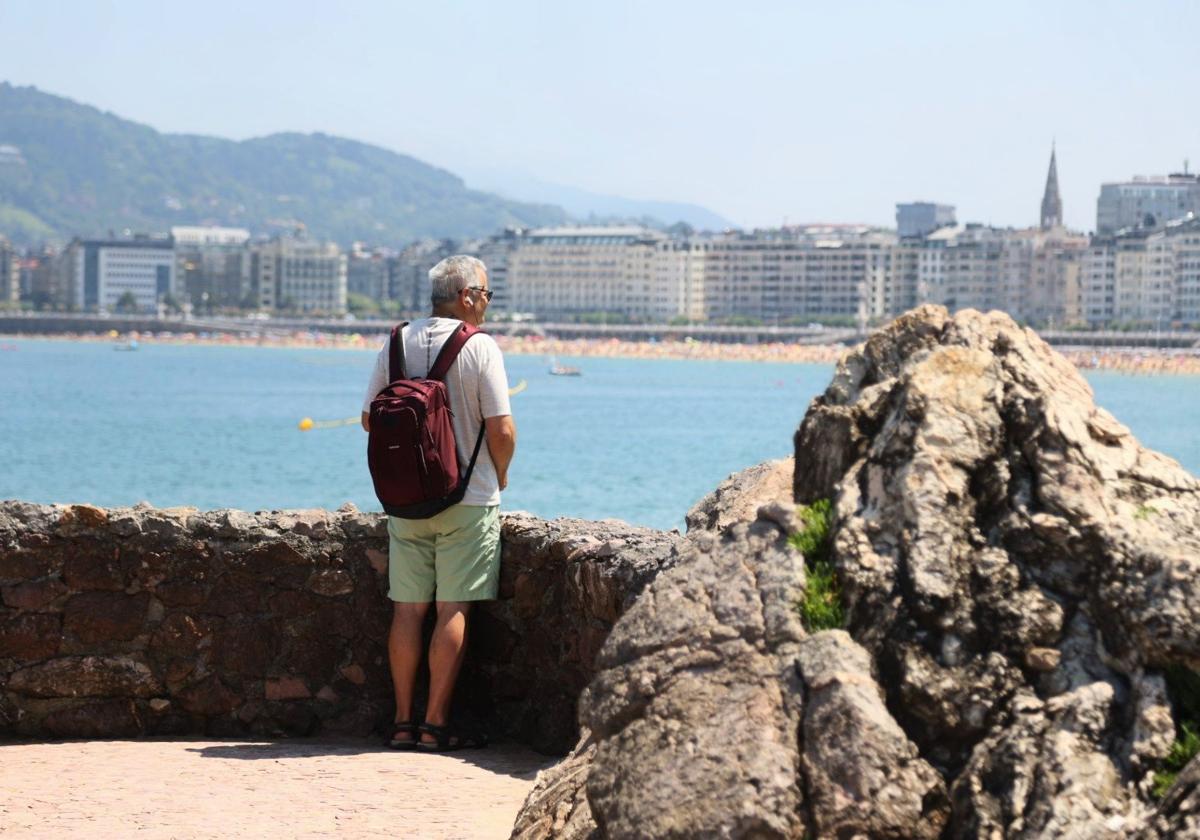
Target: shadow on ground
column 507, row 759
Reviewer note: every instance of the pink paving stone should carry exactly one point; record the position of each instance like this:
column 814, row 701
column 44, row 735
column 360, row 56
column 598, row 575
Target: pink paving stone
column 155, row 789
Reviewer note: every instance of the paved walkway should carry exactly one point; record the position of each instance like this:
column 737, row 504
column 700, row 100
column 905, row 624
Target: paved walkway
column 157, row 788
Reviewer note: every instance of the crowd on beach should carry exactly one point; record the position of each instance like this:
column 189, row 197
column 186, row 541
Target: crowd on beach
column 1123, row 360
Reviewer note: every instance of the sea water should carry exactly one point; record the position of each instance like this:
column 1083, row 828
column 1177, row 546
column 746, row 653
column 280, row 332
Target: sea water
column 217, row 426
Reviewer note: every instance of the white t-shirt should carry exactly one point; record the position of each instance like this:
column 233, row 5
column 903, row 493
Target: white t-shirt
column 478, row 387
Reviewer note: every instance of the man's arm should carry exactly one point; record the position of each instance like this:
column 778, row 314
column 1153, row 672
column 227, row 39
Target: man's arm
column 501, row 443
column 366, row 421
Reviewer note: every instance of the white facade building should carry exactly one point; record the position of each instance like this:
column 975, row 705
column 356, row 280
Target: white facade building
column 801, row 273
column 102, row 273
column 297, row 274
column 1144, row 276
column 1146, row 202
column 1187, row 270
column 571, row 271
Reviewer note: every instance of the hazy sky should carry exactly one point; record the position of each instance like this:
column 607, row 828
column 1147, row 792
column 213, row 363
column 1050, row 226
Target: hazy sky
column 760, row 111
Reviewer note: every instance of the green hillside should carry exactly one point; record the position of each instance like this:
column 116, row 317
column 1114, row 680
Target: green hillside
column 78, row 170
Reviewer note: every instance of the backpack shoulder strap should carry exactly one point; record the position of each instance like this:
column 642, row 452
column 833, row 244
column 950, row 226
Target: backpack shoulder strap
column 396, row 354
column 450, row 349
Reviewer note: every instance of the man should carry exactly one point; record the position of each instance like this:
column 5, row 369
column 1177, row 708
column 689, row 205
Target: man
column 453, row 557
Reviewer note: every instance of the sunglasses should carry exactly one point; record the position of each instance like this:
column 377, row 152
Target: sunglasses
column 487, row 293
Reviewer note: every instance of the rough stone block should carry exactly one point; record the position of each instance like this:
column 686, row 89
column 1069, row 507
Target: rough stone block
column 106, row 719
column 105, row 616
column 22, row 564
column 331, row 582
column 86, row 676
column 30, row 637
column 179, row 635
column 77, row 518
column 33, row 595
column 354, row 673
column 93, row 565
column 177, row 594
column 286, row 688
column 235, row 593
column 248, row 648
column 209, row 697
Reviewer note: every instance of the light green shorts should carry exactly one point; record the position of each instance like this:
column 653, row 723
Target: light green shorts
column 454, row 556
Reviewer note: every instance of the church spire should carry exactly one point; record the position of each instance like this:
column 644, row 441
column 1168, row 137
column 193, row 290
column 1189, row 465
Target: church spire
column 1051, row 202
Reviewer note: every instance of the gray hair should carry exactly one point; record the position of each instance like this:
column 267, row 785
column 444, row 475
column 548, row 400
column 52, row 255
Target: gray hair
column 452, row 275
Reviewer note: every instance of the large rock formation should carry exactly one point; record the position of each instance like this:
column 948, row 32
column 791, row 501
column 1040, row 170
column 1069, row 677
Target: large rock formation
column 1017, row 575
column 738, row 498
column 141, row 621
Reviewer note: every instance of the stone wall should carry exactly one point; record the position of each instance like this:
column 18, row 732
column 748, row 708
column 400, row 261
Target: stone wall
column 134, row 621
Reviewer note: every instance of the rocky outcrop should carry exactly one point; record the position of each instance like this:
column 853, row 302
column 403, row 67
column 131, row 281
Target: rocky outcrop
column 1017, row 573
column 738, row 498
column 692, row 719
column 129, row 621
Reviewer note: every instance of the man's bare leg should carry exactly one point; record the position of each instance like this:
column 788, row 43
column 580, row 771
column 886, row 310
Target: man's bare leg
column 404, row 653
column 446, row 650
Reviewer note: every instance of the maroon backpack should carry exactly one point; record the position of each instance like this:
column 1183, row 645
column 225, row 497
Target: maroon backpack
column 410, row 448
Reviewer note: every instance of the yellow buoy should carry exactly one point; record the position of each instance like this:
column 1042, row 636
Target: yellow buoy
column 306, row 424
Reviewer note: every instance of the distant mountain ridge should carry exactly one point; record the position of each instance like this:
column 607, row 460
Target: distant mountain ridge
column 587, row 205
column 68, row 169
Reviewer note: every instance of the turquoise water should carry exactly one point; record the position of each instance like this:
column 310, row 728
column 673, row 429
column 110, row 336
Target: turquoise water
column 213, row 426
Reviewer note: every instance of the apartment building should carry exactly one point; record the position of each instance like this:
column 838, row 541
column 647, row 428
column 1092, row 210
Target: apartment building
column 1042, row 275
column 369, row 272
column 798, row 273
column 495, row 252
column 921, row 218
column 563, row 272
column 963, row 267
column 296, row 274
column 10, row 272
column 1143, row 276
column 212, row 265
column 33, row 275
column 98, row 274
column 1187, row 269
column 1146, row 202
column 675, row 289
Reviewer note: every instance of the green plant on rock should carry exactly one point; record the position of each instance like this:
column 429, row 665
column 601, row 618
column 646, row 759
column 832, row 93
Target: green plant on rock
column 1144, row 512
column 1185, row 747
column 1183, row 687
column 821, row 608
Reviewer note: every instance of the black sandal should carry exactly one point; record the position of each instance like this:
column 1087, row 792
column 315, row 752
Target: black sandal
column 405, row 727
column 449, row 738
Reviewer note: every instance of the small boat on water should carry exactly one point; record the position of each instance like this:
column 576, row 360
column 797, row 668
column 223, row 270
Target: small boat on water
column 127, row 345
column 563, row 370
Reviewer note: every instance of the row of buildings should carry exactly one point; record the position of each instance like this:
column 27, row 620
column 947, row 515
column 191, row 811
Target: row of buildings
column 1142, row 266
column 207, row 267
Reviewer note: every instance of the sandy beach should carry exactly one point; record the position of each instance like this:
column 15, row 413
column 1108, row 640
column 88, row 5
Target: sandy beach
column 1134, row 361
